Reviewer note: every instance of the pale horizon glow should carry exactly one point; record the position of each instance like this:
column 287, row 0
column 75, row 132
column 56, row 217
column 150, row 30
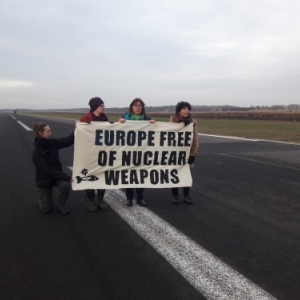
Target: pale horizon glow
column 60, row 54
column 10, row 84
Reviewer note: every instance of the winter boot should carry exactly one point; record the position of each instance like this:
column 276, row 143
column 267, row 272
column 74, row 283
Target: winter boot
column 102, row 205
column 90, row 194
column 141, row 202
column 188, row 200
column 175, row 200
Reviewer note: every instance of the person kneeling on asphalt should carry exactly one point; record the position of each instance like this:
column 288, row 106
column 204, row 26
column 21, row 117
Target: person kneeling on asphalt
column 48, row 168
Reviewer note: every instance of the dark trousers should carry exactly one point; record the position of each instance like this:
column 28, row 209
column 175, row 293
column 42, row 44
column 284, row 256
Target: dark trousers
column 139, row 192
column 46, row 196
column 186, row 192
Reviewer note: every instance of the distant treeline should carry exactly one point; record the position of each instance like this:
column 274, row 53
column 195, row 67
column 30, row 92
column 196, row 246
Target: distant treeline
column 230, row 115
column 171, row 108
column 240, row 115
column 275, row 113
column 211, row 108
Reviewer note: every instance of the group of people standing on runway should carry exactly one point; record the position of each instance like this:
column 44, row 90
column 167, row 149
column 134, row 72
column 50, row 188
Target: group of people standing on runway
column 49, row 171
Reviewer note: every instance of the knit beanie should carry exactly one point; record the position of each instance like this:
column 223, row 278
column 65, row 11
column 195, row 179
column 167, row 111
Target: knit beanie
column 181, row 105
column 95, row 103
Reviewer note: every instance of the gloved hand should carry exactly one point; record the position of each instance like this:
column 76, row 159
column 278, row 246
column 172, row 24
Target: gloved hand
column 186, row 122
column 191, row 160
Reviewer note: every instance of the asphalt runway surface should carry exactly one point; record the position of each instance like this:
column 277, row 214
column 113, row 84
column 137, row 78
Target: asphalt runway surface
column 239, row 240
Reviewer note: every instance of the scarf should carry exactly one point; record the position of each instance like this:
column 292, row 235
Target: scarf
column 137, row 118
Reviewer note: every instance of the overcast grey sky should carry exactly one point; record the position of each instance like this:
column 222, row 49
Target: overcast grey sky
column 59, row 54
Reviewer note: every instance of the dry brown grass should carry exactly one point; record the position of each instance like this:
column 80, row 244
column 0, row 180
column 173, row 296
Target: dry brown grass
column 243, row 115
column 280, row 126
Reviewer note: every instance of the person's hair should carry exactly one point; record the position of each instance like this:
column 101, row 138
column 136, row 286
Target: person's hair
column 39, row 128
column 181, row 105
column 134, row 101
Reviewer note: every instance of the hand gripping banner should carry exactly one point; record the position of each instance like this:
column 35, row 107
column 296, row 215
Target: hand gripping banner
column 131, row 154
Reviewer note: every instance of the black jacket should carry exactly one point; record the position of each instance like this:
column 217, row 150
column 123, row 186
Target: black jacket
column 45, row 157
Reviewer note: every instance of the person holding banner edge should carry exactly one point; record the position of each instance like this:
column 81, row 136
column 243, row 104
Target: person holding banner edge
column 96, row 114
column 136, row 112
column 48, row 168
column 182, row 114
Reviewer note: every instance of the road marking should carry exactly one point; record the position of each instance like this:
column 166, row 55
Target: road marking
column 250, row 140
column 25, row 126
column 209, row 275
column 205, row 272
column 259, row 161
column 230, row 137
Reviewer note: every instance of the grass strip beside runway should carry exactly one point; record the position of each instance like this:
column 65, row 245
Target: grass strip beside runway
column 283, row 131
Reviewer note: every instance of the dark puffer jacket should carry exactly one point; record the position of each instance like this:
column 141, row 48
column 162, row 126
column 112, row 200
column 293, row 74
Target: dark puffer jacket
column 45, row 157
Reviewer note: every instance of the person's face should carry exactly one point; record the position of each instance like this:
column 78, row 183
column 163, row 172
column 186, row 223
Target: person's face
column 185, row 112
column 100, row 109
column 137, row 108
column 47, row 134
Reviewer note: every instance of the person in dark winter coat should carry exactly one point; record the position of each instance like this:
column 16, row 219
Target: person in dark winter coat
column 136, row 112
column 183, row 114
column 48, row 168
column 96, row 114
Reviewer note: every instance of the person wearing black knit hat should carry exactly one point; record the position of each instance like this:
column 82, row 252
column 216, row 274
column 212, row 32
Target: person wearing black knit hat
column 96, row 114
column 183, row 114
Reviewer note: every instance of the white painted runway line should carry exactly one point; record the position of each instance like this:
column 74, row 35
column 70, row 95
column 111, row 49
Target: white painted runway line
column 249, row 140
column 24, row 126
column 209, row 275
column 229, row 137
column 259, row 161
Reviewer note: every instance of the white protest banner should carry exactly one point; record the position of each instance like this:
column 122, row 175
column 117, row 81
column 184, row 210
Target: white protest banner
column 131, row 154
